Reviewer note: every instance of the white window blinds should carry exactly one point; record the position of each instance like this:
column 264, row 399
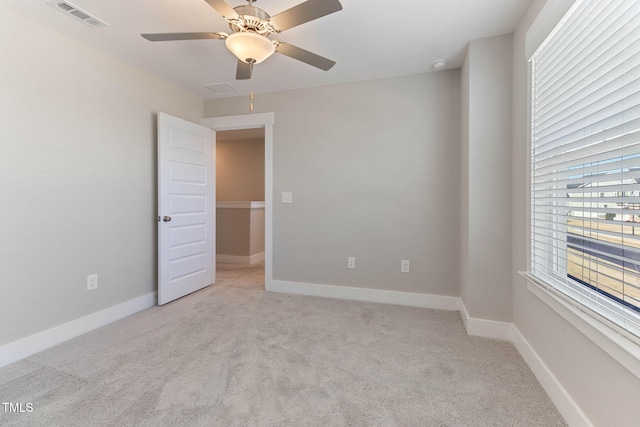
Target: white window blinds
column 585, row 160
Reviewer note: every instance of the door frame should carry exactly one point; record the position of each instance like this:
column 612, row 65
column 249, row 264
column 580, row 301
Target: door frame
column 249, row 121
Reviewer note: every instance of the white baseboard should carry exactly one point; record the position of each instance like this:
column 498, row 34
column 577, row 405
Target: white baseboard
column 567, row 407
column 438, row 302
column 240, row 259
column 508, row 332
column 256, row 258
column 33, row 344
column 485, row 328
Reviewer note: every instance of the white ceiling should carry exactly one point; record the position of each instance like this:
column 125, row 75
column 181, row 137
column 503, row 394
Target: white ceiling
column 368, row 39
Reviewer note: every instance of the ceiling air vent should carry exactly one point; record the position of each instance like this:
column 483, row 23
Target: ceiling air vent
column 220, row 87
column 77, row 13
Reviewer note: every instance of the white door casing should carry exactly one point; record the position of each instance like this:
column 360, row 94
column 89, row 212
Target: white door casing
column 186, row 207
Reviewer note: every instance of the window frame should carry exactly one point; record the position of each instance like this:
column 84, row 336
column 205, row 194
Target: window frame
column 620, row 344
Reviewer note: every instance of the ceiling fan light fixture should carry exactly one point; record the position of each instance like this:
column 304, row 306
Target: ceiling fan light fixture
column 250, row 47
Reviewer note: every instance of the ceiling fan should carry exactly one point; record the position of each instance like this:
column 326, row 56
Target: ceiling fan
column 251, row 27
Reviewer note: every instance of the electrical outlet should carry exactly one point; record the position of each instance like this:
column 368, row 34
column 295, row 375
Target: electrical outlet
column 351, row 262
column 405, row 266
column 92, row 282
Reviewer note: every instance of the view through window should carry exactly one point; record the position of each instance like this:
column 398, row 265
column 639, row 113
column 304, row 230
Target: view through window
column 603, row 233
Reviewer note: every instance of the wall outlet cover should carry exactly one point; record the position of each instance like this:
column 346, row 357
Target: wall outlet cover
column 405, row 266
column 92, row 282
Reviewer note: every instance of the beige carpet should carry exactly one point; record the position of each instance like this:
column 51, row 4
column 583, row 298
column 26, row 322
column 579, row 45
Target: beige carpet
column 234, row 355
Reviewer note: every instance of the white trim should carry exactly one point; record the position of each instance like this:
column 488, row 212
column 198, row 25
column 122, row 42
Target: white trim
column 33, row 344
column 485, row 328
column 438, row 302
column 567, row 407
column 241, row 121
column 248, row 121
column 239, row 205
column 240, row 259
column 614, row 343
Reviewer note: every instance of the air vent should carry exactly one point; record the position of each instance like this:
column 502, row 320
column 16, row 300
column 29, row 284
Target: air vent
column 77, row 13
column 220, row 87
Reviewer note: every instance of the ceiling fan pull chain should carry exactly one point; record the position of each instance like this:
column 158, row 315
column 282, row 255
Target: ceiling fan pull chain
column 250, row 97
column 251, row 62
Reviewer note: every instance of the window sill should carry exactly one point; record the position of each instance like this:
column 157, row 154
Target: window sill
column 624, row 349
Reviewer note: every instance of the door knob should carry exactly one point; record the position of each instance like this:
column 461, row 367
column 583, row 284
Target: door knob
column 166, row 218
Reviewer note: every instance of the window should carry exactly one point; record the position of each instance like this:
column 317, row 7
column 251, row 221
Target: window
column 585, row 159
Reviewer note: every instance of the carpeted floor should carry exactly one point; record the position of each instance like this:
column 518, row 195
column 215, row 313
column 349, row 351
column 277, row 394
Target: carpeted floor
column 235, row 355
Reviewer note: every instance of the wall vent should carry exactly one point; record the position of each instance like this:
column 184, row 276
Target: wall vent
column 76, row 13
column 220, row 87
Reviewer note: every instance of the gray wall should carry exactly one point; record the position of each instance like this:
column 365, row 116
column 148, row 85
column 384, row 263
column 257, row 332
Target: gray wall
column 239, row 231
column 373, row 168
column 605, row 391
column 233, row 231
column 486, row 179
column 78, row 178
column 465, row 280
column 240, row 170
column 256, row 237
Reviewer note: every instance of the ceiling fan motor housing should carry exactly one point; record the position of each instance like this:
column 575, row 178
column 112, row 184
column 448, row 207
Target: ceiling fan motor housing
column 251, row 18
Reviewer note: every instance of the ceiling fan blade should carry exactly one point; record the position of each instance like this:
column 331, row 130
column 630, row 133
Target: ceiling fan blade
column 163, row 37
column 304, row 12
column 244, row 70
column 305, row 56
column 223, row 8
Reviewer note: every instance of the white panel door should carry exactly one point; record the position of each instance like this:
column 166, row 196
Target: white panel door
column 186, row 208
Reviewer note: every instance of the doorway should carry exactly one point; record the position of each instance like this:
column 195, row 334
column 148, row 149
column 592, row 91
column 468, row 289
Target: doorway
column 240, row 208
column 264, row 122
